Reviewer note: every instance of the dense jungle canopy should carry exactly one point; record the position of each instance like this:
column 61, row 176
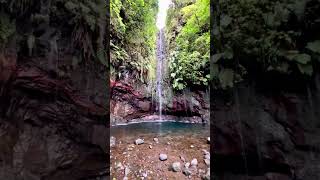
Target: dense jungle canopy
column 188, row 43
column 248, row 36
column 133, row 37
column 133, row 40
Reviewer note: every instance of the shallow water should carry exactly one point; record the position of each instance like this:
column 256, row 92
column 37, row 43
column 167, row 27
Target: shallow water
column 159, row 129
column 176, row 139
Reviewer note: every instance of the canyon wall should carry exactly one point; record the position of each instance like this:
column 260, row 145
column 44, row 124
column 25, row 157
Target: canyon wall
column 52, row 128
column 53, row 103
column 132, row 104
column 268, row 130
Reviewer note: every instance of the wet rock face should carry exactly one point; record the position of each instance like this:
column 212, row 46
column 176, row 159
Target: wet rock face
column 277, row 134
column 52, row 127
column 128, row 104
column 188, row 104
column 53, row 102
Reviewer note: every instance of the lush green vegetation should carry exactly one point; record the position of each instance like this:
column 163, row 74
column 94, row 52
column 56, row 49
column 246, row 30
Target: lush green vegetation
column 82, row 20
column 88, row 19
column 188, row 43
column 7, row 29
column 248, row 36
column 251, row 36
column 133, row 37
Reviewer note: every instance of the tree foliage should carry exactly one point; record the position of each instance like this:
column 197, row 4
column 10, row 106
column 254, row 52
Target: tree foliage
column 133, row 36
column 82, row 20
column 263, row 36
column 188, row 40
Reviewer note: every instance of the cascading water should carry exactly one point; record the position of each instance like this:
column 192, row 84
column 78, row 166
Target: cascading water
column 160, row 59
column 161, row 18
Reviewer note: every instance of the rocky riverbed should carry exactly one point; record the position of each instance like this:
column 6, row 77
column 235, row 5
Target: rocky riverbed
column 184, row 156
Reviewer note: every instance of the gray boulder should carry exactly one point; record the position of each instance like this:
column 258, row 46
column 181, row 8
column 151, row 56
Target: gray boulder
column 163, row 157
column 176, row 166
column 139, row 141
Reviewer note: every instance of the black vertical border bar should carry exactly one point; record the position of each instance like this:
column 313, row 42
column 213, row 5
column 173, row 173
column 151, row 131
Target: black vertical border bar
column 108, row 95
column 212, row 2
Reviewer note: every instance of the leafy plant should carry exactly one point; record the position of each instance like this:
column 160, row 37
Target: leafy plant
column 88, row 17
column 41, row 22
column 133, row 37
column 268, row 35
column 188, row 39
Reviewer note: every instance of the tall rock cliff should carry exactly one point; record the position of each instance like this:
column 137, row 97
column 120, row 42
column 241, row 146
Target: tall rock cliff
column 53, row 90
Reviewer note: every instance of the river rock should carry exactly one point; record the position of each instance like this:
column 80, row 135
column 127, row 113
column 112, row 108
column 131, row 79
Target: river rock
column 182, row 159
column 126, row 171
column 163, row 157
column 176, row 166
column 208, row 140
column 207, row 156
column 193, row 169
column 192, row 146
column 205, row 152
column 139, row 141
column 186, row 171
column 187, row 165
column 150, row 147
column 194, row 162
column 119, row 166
column 112, row 141
column 207, row 161
column 156, row 140
column 145, row 174
column 207, row 175
column 201, row 171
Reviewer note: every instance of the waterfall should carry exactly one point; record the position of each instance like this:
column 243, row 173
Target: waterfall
column 160, row 59
column 161, row 18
